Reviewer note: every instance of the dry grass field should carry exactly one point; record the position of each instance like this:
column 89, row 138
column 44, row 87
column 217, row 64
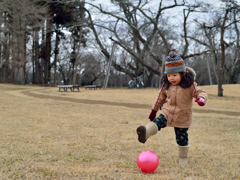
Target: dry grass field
column 91, row 134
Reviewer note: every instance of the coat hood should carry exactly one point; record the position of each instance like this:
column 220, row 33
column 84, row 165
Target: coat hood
column 191, row 70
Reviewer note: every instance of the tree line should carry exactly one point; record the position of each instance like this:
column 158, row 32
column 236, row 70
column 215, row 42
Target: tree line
column 71, row 40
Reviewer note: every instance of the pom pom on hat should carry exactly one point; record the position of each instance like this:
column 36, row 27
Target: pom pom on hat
column 172, row 54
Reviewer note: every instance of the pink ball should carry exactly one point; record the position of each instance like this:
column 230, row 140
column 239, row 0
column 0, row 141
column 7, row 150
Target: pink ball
column 147, row 161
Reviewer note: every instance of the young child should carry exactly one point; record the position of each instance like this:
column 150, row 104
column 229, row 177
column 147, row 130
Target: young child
column 175, row 101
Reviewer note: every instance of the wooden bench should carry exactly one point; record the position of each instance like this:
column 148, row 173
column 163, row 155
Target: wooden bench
column 65, row 87
column 92, row 87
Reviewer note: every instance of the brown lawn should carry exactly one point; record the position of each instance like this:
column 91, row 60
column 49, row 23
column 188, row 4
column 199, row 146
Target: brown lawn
column 91, row 134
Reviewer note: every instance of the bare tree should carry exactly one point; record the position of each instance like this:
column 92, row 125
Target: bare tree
column 127, row 26
column 216, row 38
column 233, row 65
column 20, row 16
column 94, row 67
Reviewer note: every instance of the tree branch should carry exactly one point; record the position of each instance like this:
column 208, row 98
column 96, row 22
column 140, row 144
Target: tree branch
column 135, row 56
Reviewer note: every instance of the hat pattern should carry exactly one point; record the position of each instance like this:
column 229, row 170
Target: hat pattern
column 174, row 64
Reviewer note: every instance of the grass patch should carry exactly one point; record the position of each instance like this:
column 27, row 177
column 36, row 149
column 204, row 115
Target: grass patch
column 13, row 89
column 62, row 139
column 125, row 122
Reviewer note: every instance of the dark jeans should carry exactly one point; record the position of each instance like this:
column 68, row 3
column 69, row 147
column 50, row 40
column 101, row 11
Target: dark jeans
column 181, row 133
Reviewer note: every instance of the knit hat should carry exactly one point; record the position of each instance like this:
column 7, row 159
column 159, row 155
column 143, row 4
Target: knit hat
column 174, row 64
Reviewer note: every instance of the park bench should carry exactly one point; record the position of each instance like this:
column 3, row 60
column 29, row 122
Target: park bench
column 92, row 87
column 65, row 87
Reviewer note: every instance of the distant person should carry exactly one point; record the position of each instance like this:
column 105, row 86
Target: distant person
column 175, row 101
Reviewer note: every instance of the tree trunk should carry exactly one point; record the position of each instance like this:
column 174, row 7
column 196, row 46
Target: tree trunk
column 220, row 75
column 78, row 45
column 56, row 51
column 220, row 72
column 33, row 58
column 19, row 45
column 77, row 42
column 42, row 56
column 5, row 51
column 36, row 50
column 149, row 80
column 48, row 50
column 19, row 73
column 5, row 58
column 1, row 62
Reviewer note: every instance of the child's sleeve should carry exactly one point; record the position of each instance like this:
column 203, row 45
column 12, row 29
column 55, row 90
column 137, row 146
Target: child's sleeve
column 197, row 92
column 159, row 100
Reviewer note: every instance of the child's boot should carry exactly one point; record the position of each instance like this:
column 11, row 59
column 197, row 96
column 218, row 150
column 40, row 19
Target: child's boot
column 183, row 154
column 144, row 132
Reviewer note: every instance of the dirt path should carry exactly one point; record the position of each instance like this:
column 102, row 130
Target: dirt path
column 128, row 105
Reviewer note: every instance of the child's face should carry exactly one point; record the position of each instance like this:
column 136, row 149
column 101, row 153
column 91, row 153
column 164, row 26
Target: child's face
column 174, row 78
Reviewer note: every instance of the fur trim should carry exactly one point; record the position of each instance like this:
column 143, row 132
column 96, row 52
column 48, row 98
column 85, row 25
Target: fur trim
column 191, row 70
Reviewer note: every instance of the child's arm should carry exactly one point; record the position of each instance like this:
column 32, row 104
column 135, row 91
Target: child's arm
column 199, row 94
column 158, row 102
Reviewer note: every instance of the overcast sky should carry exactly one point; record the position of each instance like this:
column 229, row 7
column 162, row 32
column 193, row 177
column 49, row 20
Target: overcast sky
column 178, row 11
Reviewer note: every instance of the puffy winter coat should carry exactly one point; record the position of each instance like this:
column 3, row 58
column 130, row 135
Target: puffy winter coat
column 176, row 104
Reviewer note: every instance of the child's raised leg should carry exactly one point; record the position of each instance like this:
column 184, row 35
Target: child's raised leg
column 144, row 132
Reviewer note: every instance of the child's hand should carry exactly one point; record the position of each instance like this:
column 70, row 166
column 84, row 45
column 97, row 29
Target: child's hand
column 152, row 115
column 201, row 101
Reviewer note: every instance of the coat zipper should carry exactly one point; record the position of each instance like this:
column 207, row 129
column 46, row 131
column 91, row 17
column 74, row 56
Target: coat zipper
column 175, row 102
